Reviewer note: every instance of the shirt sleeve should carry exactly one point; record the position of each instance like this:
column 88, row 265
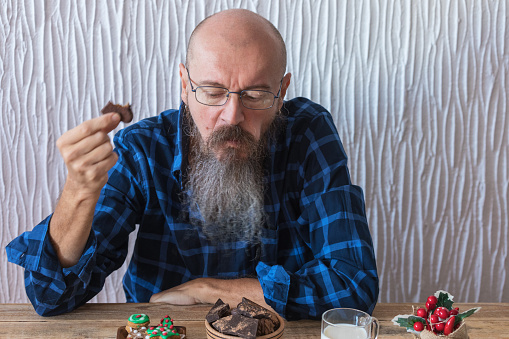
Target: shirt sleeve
column 338, row 266
column 54, row 290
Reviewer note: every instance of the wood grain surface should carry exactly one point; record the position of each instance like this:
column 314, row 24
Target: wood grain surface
column 103, row 320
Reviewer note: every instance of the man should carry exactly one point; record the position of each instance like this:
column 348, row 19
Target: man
column 237, row 194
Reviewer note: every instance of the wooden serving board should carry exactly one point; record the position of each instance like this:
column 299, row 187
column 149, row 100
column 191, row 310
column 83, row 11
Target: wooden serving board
column 122, row 332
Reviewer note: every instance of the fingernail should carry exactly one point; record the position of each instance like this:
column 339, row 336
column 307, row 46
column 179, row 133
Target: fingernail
column 115, row 117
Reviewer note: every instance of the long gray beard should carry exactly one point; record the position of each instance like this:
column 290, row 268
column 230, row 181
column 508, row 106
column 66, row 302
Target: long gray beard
column 226, row 197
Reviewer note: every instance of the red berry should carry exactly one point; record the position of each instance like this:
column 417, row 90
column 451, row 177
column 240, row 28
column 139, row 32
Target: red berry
column 421, row 312
column 418, row 326
column 432, row 299
column 430, row 306
column 438, row 309
column 440, row 326
column 434, row 319
column 443, row 313
column 454, row 311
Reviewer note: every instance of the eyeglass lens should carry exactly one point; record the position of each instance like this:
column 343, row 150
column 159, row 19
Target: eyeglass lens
column 217, row 96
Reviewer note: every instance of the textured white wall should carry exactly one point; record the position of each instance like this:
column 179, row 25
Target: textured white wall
column 418, row 89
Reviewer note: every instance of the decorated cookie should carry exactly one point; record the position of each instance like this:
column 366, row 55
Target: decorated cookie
column 163, row 332
column 138, row 333
column 137, row 322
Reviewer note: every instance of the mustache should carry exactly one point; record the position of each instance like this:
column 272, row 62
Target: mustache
column 230, row 133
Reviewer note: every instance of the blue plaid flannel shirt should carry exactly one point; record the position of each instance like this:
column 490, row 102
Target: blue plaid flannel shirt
column 316, row 251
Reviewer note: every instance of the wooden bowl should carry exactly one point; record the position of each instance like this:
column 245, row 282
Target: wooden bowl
column 213, row 334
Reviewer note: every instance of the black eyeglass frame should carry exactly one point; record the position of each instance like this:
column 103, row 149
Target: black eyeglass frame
column 239, row 93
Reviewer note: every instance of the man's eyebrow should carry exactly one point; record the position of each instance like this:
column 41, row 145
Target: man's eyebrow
column 217, row 84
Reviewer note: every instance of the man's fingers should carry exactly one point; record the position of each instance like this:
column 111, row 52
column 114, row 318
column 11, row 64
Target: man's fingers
column 183, row 294
column 174, row 298
column 71, row 152
column 105, row 123
column 96, row 175
column 96, row 155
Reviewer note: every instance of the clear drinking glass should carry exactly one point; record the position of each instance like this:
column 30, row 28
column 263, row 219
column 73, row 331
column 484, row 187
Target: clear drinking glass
column 348, row 323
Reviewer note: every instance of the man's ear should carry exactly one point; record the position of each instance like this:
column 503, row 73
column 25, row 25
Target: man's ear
column 284, row 87
column 183, row 80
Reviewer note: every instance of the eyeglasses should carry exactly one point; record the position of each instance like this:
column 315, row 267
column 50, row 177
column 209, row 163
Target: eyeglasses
column 218, row 96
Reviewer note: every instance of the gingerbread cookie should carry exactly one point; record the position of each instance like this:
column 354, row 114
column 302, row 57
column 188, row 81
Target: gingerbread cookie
column 138, row 334
column 137, row 322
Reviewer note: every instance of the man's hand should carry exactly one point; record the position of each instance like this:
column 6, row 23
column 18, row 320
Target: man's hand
column 88, row 154
column 208, row 290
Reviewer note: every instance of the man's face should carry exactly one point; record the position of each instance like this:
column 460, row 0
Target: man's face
column 216, row 63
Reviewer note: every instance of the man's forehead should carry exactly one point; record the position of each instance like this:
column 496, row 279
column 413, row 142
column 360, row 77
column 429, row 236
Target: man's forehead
column 236, row 37
column 215, row 58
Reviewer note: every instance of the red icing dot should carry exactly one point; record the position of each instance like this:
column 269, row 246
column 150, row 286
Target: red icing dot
column 152, row 327
column 171, row 327
column 174, row 331
column 155, row 332
column 165, row 333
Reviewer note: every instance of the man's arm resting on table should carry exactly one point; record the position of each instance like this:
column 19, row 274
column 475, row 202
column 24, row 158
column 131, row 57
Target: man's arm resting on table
column 208, row 290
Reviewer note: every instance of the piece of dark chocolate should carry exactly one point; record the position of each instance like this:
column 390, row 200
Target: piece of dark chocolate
column 265, row 326
column 237, row 325
column 125, row 112
column 219, row 310
column 251, row 309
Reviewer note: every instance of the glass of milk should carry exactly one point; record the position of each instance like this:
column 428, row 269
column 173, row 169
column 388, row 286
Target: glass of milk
column 348, row 323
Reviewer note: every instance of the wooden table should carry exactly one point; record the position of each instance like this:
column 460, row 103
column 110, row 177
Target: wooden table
column 103, row 320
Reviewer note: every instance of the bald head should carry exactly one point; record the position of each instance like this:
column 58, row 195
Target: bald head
column 238, row 29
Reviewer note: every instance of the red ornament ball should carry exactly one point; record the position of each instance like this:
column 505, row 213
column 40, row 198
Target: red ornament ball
column 418, row 326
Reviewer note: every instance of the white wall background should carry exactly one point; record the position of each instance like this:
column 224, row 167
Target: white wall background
column 418, row 89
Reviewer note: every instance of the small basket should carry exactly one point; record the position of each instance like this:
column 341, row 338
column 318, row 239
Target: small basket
column 459, row 333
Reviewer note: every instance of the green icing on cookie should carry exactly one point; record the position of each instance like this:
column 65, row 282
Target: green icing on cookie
column 138, row 318
column 161, row 331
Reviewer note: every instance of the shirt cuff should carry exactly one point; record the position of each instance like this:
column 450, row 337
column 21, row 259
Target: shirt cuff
column 275, row 283
column 34, row 252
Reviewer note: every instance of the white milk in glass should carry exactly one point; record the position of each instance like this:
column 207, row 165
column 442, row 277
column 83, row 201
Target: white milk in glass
column 344, row 331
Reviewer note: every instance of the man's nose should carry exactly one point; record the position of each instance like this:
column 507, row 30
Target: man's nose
column 233, row 110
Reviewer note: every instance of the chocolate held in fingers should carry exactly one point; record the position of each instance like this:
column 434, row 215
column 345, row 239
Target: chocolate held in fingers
column 126, row 114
